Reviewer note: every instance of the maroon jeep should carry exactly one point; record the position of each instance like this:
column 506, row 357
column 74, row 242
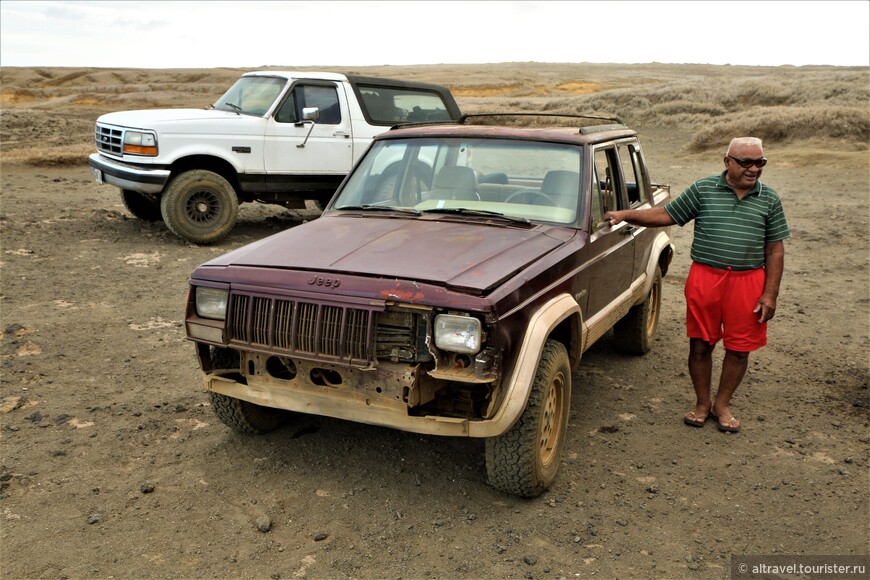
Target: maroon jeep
column 449, row 288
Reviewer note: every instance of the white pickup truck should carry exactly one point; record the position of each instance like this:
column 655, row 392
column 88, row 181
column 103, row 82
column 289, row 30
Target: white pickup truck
column 273, row 137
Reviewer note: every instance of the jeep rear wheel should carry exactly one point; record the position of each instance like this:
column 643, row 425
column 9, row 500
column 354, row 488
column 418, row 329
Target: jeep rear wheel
column 200, row 206
column 524, row 461
column 141, row 205
column 239, row 415
column 634, row 333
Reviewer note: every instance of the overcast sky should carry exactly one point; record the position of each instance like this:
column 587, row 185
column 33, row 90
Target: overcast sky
column 157, row 34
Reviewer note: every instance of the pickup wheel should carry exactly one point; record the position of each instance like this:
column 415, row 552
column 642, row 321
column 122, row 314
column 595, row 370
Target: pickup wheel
column 141, row 206
column 524, row 460
column 236, row 414
column 200, row 206
column 634, row 333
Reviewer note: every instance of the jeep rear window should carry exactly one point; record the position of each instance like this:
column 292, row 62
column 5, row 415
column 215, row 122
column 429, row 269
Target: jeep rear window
column 534, row 180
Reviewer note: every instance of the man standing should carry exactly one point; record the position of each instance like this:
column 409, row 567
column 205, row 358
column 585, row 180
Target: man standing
column 737, row 264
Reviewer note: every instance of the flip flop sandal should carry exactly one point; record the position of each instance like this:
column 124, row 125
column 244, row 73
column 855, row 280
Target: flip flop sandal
column 693, row 420
column 730, row 427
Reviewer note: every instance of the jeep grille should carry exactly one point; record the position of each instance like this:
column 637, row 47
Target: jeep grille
column 306, row 329
column 354, row 334
column 109, row 139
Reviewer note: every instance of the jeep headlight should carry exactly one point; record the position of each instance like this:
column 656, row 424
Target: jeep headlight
column 140, row 143
column 211, row 302
column 457, row 333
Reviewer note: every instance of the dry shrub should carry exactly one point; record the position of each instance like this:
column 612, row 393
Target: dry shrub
column 59, row 156
column 47, row 111
column 788, row 124
column 779, row 107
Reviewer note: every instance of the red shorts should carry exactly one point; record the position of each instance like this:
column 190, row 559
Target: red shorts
column 719, row 305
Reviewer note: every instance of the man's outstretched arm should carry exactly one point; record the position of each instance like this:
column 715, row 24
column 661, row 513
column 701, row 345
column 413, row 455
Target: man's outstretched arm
column 655, row 217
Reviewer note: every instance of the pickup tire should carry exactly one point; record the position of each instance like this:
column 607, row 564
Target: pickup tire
column 524, row 461
column 634, row 333
column 238, row 415
column 141, row 206
column 200, row 206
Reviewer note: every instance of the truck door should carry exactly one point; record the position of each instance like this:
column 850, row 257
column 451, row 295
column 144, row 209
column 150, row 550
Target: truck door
column 329, row 148
column 611, row 248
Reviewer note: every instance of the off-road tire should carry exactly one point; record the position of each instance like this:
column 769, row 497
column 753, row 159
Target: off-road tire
column 524, row 461
column 634, row 333
column 200, row 206
column 142, row 206
column 239, row 415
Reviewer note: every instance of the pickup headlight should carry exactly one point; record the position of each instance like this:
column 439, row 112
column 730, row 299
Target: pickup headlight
column 457, row 333
column 211, row 302
column 139, row 143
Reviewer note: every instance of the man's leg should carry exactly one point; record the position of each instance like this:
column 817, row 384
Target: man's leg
column 733, row 369
column 701, row 371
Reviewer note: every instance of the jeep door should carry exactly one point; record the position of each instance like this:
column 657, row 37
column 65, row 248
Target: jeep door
column 329, row 147
column 639, row 193
column 611, row 248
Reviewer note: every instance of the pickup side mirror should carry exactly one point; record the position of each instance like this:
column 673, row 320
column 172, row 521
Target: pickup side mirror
column 309, row 115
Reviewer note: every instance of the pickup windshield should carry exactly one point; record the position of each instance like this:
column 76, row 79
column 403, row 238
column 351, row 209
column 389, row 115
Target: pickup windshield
column 527, row 180
column 251, row 95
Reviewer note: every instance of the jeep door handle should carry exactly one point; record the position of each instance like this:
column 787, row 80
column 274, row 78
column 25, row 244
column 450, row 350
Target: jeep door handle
column 629, row 231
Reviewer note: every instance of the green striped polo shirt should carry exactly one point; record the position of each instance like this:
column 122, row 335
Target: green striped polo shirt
column 729, row 232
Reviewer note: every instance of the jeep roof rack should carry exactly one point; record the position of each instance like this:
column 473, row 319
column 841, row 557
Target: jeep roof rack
column 617, row 123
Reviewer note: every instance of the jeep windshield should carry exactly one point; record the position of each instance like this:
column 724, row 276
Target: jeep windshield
column 251, row 95
column 525, row 180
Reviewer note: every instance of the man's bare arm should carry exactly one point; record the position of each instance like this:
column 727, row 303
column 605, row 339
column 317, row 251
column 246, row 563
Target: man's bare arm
column 774, row 264
column 655, row 217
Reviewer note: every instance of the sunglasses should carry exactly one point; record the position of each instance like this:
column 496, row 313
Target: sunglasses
column 747, row 163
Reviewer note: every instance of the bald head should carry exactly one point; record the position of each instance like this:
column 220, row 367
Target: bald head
column 740, row 144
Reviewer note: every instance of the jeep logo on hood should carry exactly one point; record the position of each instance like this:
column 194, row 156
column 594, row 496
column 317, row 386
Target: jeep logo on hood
column 321, row 281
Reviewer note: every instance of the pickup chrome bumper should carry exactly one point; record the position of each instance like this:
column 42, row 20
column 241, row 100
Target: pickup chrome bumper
column 126, row 176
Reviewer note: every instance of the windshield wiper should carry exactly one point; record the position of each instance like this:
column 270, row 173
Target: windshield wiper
column 478, row 212
column 234, row 107
column 367, row 206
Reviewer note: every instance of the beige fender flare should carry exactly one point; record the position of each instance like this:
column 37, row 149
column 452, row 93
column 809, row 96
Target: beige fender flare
column 662, row 244
column 518, row 386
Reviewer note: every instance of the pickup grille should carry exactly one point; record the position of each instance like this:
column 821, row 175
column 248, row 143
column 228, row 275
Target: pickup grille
column 109, row 139
column 350, row 334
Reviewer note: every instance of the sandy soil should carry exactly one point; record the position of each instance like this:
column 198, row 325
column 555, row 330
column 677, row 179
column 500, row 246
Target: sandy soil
column 113, row 465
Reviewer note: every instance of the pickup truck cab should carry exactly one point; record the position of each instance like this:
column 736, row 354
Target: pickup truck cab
column 273, row 137
column 449, row 288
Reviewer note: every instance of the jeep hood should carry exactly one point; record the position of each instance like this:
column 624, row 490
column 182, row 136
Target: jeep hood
column 461, row 255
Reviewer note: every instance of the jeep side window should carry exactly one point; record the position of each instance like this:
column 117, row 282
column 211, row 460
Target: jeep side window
column 640, row 174
column 632, row 171
column 597, row 212
column 323, row 97
column 605, row 196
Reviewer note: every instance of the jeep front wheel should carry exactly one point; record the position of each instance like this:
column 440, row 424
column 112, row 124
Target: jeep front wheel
column 142, row 206
column 237, row 414
column 634, row 333
column 200, row 206
column 245, row 417
column 524, row 460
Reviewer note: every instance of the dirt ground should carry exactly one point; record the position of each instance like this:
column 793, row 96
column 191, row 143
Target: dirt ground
column 114, row 466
